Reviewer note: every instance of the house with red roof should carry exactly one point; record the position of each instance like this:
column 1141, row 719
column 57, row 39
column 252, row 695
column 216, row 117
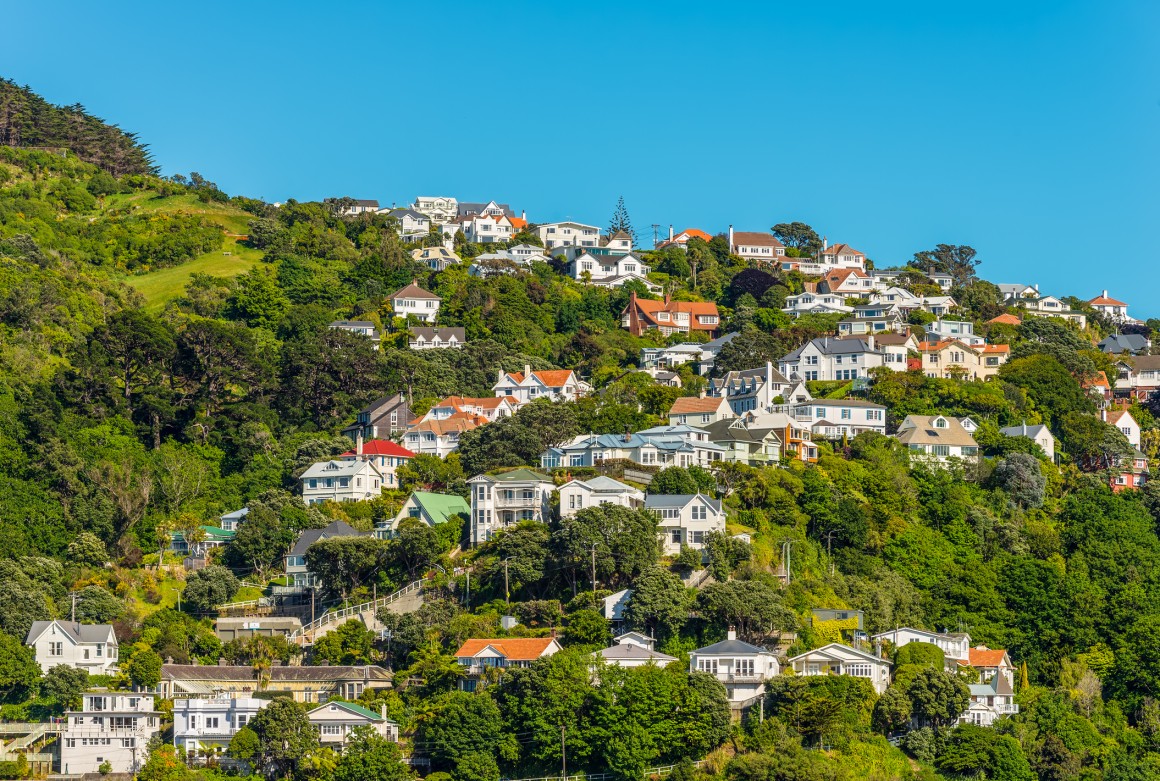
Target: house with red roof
column 478, row 655
column 1006, row 319
column 670, row 316
column 756, row 246
column 527, row 386
column 383, row 453
column 842, row 255
column 681, row 240
column 849, row 282
column 491, row 407
column 488, row 228
column 1113, row 309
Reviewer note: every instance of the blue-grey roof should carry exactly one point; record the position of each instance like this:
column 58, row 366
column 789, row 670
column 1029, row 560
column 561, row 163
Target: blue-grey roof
column 1124, row 343
column 656, row 501
column 236, row 515
column 1023, row 430
column 831, row 346
column 730, row 647
column 311, row 536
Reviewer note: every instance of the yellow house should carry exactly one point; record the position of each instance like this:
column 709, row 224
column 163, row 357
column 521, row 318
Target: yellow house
column 950, row 358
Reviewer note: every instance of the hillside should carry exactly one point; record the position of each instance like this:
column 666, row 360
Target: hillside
column 166, row 358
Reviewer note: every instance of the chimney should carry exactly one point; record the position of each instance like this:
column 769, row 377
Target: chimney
column 769, row 378
column 324, row 663
column 1105, row 293
column 1036, row 286
column 383, row 710
column 870, row 341
column 499, row 376
column 358, row 444
column 732, row 635
column 524, row 215
column 627, row 434
column 670, row 232
column 527, row 370
column 222, row 662
column 1104, row 415
column 730, row 238
column 825, row 244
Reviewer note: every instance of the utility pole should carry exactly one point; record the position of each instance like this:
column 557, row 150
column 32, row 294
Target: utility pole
column 73, row 617
column 785, row 553
column 563, row 756
column 469, row 588
column 506, row 588
column 593, row 574
column 830, row 549
column 655, row 228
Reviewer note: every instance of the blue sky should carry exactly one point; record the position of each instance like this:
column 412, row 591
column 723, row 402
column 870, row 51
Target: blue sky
column 1028, row 130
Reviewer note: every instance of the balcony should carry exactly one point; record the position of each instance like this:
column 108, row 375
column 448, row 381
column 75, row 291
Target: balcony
column 530, row 502
column 742, row 678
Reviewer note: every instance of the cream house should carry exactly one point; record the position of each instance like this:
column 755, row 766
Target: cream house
column 700, row 411
column 956, row 359
column 505, row 499
column 527, row 386
column 355, row 480
column 414, row 301
column 440, row 209
column 573, row 234
column 89, row 647
column 741, row 667
column 575, row 495
column 936, row 439
column 841, row 659
column 335, row 722
column 111, row 727
column 753, row 245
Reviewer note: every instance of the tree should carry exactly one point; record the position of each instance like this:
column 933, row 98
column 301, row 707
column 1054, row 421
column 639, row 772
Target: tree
column 368, row 756
column 260, row 541
column 958, row 260
column 18, row 668
column 726, row 554
column 209, row 587
column 462, row 724
column 621, row 221
column 244, row 744
column 938, row 696
column 1049, row 385
column 1093, row 443
column 799, row 236
column 88, row 550
column 65, row 684
column 340, row 563
column 660, row 603
column 525, row 548
column 753, row 348
column 144, row 668
column 1021, row 477
column 415, row 547
column 95, row 605
column 677, row 480
column 476, row 766
column 163, row 764
column 586, row 628
column 350, row 643
column 753, row 607
column 892, row 711
column 622, row 542
column 974, row 751
column 285, row 736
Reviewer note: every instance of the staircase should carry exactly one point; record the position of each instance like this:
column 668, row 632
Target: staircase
column 406, row 600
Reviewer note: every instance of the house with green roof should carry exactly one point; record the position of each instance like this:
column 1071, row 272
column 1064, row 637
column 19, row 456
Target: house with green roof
column 507, row 498
column 335, row 721
column 207, row 537
column 430, row 508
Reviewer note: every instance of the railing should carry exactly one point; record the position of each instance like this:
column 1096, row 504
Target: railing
column 373, row 606
column 27, row 727
column 661, row 771
column 518, row 501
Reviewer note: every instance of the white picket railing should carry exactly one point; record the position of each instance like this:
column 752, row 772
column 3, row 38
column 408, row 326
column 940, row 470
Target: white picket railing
column 335, row 616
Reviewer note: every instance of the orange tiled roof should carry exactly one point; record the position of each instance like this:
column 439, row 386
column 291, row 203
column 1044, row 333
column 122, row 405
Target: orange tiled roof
column 986, row 657
column 1105, row 301
column 552, row 378
column 1006, row 319
column 519, row 223
column 928, row 347
column 1099, row 381
column 696, row 233
column 458, row 421
column 693, row 404
column 841, row 249
column 996, row 348
column 513, row 648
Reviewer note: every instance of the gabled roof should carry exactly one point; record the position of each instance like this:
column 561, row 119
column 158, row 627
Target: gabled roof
column 351, row 708
column 445, row 333
column 334, row 468
column 311, row 536
column 692, row 404
column 1006, row 319
column 1104, row 300
column 549, row 378
column 920, row 430
column 440, row 507
column 1023, row 430
column 466, row 403
column 755, row 239
column 1123, row 343
column 833, row 346
column 731, row 647
column 414, row 291
column 1143, row 362
column 457, row 422
column 604, row 485
column 837, row 651
column 521, row 475
column 380, row 447
column 655, row 501
column 1100, row 380
column 512, row 648
column 841, row 249
column 986, row 657
column 400, row 213
column 80, row 633
column 632, row 652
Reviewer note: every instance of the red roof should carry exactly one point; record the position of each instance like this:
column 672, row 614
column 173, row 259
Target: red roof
column 986, row 657
column 1006, row 320
column 1105, row 301
column 840, row 249
column 755, row 239
column 552, row 378
column 518, row 223
column 513, row 648
column 459, row 421
column 1099, row 381
column 381, row 447
column 694, row 404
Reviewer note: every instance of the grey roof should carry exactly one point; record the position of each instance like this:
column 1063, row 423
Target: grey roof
column 400, row 213
column 1024, row 430
column 311, row 536
column 236, row 515
column 632, row 652
column 352, row 324
column 831, row 346
column 82, row 633
column 715, row 345
column 729, row 430
column 1124, row 343
column 655, row 501
column 606, row 484
column 282, row 623
column 466, row 208
column 731, row 647
column 245, row 672
column 443, row 332
column 840, row 403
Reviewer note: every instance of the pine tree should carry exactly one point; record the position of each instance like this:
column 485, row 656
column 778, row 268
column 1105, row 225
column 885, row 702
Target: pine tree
column 621, row 221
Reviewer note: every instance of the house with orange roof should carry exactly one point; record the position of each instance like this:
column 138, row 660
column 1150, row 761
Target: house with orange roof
column 441, row 437
column 478, row 655
column 955, row 359
column 383, row 453
column 681, row 240
column 990, row 662
column 491, row 407
column 848, row 282
column 700, row 411
column 1099, row 387
column 842, row 255
column 756, row 246
column 414, row 301
column 523, row 387
column 1006, row 319
column 1114, row 310
column 1124, row 423
column 670, row 316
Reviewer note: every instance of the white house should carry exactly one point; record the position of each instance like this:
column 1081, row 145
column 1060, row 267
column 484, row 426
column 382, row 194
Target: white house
column 297, row 572
column 436, row 338
column 591, row 268
column 575, row 234
column 860, row 326
column 839, row 359
column 435, row 258
column 679, row 445
column 742, row 667
column 955, row 646
column 633, row 649
column 335, row 721
column 505, row 499
column 1050, row 306
column 491, row 407
column 210, row 723
column 1124, row 423
column 990, row 701
column 413, row 225
column 441, row 437
column 89, row 647
column 430, row 508
column 384, row 454
column 112, row 727
column 415, row 301
column 833, row 418
column 700, row 411
column 756, row 246
column 575, row 495
column 478, row 655
column 841, row 659
column 849, row 282
column 936, row 439
column 361, row 206
column 1039, row 434
column 360, row 327
column 490, row 208
column 355, row 480
column 440, row 209
column 486, row 228
column 813, row 302
column 528, row 385
column 1116, row 311
column 749, row 390
column 684, row 520
column 841, row 255
column 962, row 330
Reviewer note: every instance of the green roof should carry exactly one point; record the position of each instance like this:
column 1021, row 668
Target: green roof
column 440, row 507
column 521, row 475
column 211, row 533
column 357, row 709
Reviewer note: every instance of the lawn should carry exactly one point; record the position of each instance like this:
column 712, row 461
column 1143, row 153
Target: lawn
column 163, row 285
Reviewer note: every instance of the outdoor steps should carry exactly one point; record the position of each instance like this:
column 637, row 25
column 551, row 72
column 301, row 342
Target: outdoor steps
column 406, row 600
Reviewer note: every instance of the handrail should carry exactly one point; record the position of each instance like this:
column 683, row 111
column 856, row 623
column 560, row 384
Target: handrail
column 332, row 616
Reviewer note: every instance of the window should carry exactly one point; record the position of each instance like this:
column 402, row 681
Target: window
column 676, row 536
column 941, row 450
column 211, row 722
column 696, row 537
column 860, row 670
column 700, row 512
column 56, row 648
column 331, row 729
column 846, row 414
column 743, row 667
column 707, row 666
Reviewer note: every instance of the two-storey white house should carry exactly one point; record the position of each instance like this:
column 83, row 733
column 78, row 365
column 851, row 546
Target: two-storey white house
column 210, row 723
column 684, row 520
column 413, row 225
column 388, row 456
column 354, row 480
column 440, row 209
column 575, row 495
column 491, row 407
column 841, row 659
column 990, row 701
column 112, row 727
column 750, row 390
column 440, row 437
column 486, row 228
column 741, row 667
column 505, row 499
column 828, row 358
column 633, row 649
column 335, row 722
column 413, row 300
column 810, row 302
column 436, row 338
column 956, row 646
column 526, row 386
column 1123, row 421
column 962, row 330
column 679, row 445
column 756, row 246
column 935, row 439
column 89, row 647
column 1113, row 309
column 568, row 234
column 835, row 418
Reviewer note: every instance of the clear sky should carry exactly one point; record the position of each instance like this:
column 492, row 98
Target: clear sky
column 1028, row 130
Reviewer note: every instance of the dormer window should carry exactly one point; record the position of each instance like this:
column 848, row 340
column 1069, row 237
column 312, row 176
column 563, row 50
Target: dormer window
column 940, row 423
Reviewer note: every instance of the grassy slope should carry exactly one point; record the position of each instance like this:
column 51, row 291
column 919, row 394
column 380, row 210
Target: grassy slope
column 161, row 286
